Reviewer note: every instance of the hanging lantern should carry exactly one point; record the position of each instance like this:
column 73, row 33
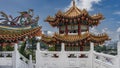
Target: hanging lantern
column 90, row 21
column 88, row 39
column 82, row 17
column 73, row 45
column 74, row 20
column 70, row 21
column 87, row 19
column 76, row 44
column 57, row 42
column 63, row 19
column 69, row 44
column 80, row 43
column 66, row 20
column 85, row 41
column 24, row 39
column 78, row 19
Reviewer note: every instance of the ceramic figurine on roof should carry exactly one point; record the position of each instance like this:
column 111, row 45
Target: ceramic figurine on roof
column 74, row 27
column 24, row 19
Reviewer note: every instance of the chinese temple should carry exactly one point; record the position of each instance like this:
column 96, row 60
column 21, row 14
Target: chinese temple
column 17, row 29
column 73, row 28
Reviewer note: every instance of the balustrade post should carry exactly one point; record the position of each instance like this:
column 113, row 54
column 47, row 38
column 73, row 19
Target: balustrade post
column 118, row 55
column 16, row 56
column 91, row 55
column 62, row 47
column 38, row 55
column 92, row 47
column 118, row 48
column 15, row 47
column 38, row 46
column 63, row 55
column 30, row 61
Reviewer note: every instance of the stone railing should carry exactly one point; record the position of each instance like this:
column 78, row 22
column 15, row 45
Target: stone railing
column 66, row 59
column 6, row 54
column 62, row 59
column 13, row 59
column 67, row 54
column 103, row 60
column 6, row 59
column 76, row 59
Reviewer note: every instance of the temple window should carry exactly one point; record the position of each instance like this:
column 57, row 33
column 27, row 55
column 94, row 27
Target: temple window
column 84, row 28
column 62, row 29
column 73, row 28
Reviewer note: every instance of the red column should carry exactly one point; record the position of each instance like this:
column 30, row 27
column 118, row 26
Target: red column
column 66, row 29
column 81, row 48
column 79, row 29
column 59, row 30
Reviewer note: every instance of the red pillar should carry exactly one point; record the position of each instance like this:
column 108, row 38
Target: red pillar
column 79, row 29
column 81, row 48
column 66, row 29
column 59, row 30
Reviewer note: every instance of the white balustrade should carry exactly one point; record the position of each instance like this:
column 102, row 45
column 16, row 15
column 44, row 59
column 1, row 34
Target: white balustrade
column 76, row 59
column 61, row 59
column 13, row 59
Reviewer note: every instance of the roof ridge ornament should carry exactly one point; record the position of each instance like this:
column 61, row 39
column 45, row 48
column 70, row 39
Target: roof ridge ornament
column 73, row 3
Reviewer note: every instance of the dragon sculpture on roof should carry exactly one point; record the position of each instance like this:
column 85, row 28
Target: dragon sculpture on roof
column 26, row 18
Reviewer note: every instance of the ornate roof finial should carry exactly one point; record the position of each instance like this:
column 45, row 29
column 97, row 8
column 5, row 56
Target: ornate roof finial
column 73, row 2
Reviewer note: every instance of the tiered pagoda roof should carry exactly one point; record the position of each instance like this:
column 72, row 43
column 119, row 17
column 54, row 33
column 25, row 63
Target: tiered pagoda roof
column 76, row 38
column 74, row 15
column 15, row 35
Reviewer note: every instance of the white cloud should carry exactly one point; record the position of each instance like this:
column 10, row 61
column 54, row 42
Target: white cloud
column 117, row 12
column 94, row 30
column 118, row 30
column 106, row 30
column 84, row 4
column 112, row 34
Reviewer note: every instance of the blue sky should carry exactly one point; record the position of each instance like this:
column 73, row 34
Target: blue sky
column 109, row 8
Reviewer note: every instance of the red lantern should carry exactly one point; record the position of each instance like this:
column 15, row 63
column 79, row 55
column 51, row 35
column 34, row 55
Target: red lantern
column 63, row 19
column 78, row 19
column 82, row 17
column 87, row 19
column 66, row 20
column 76, row 44
column 70, row 21
column 74, row 20
column 80, row 43
column 69, row 44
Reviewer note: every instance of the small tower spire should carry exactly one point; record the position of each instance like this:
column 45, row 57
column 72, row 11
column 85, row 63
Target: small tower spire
column 73, row 2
